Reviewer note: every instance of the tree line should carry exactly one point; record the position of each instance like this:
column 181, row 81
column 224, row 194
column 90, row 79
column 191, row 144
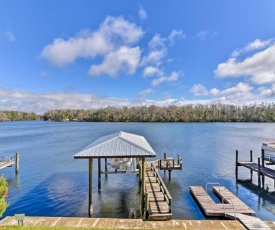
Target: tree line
column 7, row 115
column 264, row 112
column 188, row 113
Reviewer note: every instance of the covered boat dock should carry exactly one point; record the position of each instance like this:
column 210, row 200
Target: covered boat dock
column 120, row 145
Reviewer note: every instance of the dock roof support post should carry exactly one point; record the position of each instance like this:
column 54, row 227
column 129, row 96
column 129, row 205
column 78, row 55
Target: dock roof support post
column 143, row 182
column 106, row 167
column 99, row 174
column 259, row 172
column 90, row 187
column 236, row 165
column 17, row 163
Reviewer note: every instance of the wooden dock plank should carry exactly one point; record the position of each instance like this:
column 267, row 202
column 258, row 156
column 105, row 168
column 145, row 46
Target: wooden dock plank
column 158, row 206
column 229, row 197
column 254, row 166
column 250, row 222
column 4, row 164
column 211, row 208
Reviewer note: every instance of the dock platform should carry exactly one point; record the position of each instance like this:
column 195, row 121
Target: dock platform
column 254, row 166
column 5, row 164
column 232, row 204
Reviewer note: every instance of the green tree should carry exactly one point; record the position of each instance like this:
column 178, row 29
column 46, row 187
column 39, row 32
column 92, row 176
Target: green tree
column 3, row 193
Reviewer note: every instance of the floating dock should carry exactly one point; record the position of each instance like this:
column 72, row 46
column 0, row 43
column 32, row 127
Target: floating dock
column 231, row 207
column 230, row 203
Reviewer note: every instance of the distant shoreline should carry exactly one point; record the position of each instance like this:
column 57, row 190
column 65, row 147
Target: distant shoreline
column 263, row 113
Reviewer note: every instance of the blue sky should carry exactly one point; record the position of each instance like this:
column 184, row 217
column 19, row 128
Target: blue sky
column 69, row 54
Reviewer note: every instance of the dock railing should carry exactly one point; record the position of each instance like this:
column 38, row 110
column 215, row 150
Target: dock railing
column 223, row 202
column 167, row 196
column 212, row 183
column 170, row 164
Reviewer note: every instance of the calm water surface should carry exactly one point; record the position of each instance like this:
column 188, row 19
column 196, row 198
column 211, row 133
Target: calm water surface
column 51, row 183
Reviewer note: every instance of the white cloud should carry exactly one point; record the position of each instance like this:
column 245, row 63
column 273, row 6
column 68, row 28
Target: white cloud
column 175, row 34
column 142, row 14
column 151, row 71
column 124, row 58
column 173, row 77
column 143, row 94
column 255, row 45
column 259, row 67
column 112, row 33
column 202, row 35
column 199, row 90
column 267, row 92
column 241, row 93
column 44, row 74
column 9, row 35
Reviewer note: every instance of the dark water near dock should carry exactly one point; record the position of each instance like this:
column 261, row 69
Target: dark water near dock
column 51, row 183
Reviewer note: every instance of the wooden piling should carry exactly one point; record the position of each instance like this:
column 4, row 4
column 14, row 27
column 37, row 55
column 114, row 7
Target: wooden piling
column 263, row 177
column 106, row 167
column 259, row 172
column 143, row 181
column 17, row 163
column 236, row 165
column 164, row 157
column 170, row 174
column 251, row 160
column 99, row 174
column 90, row 187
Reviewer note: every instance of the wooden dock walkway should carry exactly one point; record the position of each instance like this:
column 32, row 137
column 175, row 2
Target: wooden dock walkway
column 4, row 164
column 158, row 199
column 254, row 166
column 231, row 207
column 250, row 222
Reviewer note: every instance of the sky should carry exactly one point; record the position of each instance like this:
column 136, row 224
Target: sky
column 85, row 54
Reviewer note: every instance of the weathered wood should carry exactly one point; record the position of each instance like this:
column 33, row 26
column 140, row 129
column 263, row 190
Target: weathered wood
column 259, row 172
column 17, row 163
column 90, row 187
column 211, row 208
column 106, row 167
column 4, row 164
column 236, row 165
column 249, row 222
column 143, row 181
column 160, row 200
column 99, row 174
column 251, row 160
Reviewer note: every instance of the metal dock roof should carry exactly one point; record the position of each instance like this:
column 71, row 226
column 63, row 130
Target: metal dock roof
column 119, row 144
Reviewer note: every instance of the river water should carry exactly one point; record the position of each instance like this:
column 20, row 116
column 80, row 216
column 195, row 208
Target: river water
column 52, row 183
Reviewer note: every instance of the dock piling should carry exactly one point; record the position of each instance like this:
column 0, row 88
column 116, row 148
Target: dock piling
column 259, row 172
column 251, row 160
column 17, row 163
column 236, row 165
column 90, row 187
column 106, row 168
column 99, row 174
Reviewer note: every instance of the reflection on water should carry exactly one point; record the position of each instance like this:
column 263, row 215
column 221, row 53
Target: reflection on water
column 51, row 183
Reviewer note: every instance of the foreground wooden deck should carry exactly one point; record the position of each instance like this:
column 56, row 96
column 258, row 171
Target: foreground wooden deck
column 99, row 223
column 159, row 200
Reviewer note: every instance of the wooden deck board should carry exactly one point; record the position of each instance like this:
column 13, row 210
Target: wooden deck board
column 4, row 164
column 158, row 206
column 254, row 166
column 211, row 208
